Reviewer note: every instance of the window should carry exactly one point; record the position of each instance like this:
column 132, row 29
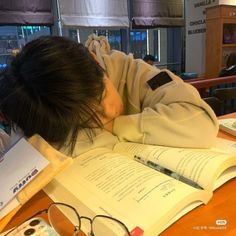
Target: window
column 138, row 43
column 163, row 43
column 114, row 36
column 13, row 38
column 157, row 45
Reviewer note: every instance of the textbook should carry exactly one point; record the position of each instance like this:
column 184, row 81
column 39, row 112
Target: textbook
column 19, row 180
column 146, row 187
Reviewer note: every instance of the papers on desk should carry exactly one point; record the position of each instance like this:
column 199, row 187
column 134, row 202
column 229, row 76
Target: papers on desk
column 228, row 126
column 18, row 166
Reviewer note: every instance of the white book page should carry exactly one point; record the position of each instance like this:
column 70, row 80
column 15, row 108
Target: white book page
column 225, row 145
column 12, row 204
column 202, row 166
column 112, row 184
column 18, row 167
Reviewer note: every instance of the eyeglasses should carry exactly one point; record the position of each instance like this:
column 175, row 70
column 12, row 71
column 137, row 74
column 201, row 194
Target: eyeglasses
column 101, row 225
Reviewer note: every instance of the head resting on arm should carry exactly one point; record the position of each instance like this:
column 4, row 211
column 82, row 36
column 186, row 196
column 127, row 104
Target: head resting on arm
column 52, row 88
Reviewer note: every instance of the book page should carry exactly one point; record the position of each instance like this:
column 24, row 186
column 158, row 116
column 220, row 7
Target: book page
column 112, row 184
column 225, row 145
column 13, row 203
column 202, row 166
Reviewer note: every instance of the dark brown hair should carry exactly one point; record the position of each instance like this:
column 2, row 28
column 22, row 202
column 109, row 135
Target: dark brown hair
column 52, row 88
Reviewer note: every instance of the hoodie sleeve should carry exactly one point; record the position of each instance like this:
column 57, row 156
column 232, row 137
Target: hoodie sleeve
column 171, row 114
column 161, row 111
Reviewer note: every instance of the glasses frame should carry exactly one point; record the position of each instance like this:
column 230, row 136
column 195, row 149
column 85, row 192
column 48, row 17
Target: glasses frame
column 77, row 228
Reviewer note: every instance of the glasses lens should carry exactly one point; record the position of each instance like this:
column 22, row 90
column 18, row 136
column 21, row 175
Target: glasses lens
column 107, row 226
column 58, row 215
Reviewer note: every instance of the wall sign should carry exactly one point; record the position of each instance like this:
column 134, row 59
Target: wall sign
column 195, row 22
column 195, row 31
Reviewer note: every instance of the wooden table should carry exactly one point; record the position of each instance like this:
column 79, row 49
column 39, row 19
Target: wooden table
column 198, row 222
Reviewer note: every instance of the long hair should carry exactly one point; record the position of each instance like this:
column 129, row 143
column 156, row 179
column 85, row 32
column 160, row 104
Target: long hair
column 52, row 88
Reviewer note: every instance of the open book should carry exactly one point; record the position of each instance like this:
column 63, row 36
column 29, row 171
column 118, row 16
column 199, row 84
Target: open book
column 146, row 187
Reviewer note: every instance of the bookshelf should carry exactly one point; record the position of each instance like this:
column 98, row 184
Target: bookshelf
column 220, row 37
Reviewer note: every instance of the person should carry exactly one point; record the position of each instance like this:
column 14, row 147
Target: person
column 150, row 59
column 230, row 68
column 78, row 98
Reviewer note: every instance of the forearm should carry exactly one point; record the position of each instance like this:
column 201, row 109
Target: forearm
column 180, row 125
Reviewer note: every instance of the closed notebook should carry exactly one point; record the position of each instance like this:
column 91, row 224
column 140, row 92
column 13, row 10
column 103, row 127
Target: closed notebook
column 57, row 162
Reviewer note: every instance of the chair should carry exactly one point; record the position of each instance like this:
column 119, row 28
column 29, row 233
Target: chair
column 222, row 101
column 215, row 104
column 227, row 96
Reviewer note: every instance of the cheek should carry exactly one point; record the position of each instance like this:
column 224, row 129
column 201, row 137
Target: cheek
column 112, row 105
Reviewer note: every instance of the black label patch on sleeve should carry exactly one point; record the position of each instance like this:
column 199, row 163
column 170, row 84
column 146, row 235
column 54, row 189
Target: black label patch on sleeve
column 159, row 79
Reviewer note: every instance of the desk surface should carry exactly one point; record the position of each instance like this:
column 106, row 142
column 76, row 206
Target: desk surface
column 199, row 222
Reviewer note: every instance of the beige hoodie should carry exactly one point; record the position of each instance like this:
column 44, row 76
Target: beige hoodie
column 173, row 114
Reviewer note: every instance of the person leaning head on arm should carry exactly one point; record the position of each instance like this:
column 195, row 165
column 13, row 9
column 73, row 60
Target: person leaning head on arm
column 55, row 88
column 61, row 90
